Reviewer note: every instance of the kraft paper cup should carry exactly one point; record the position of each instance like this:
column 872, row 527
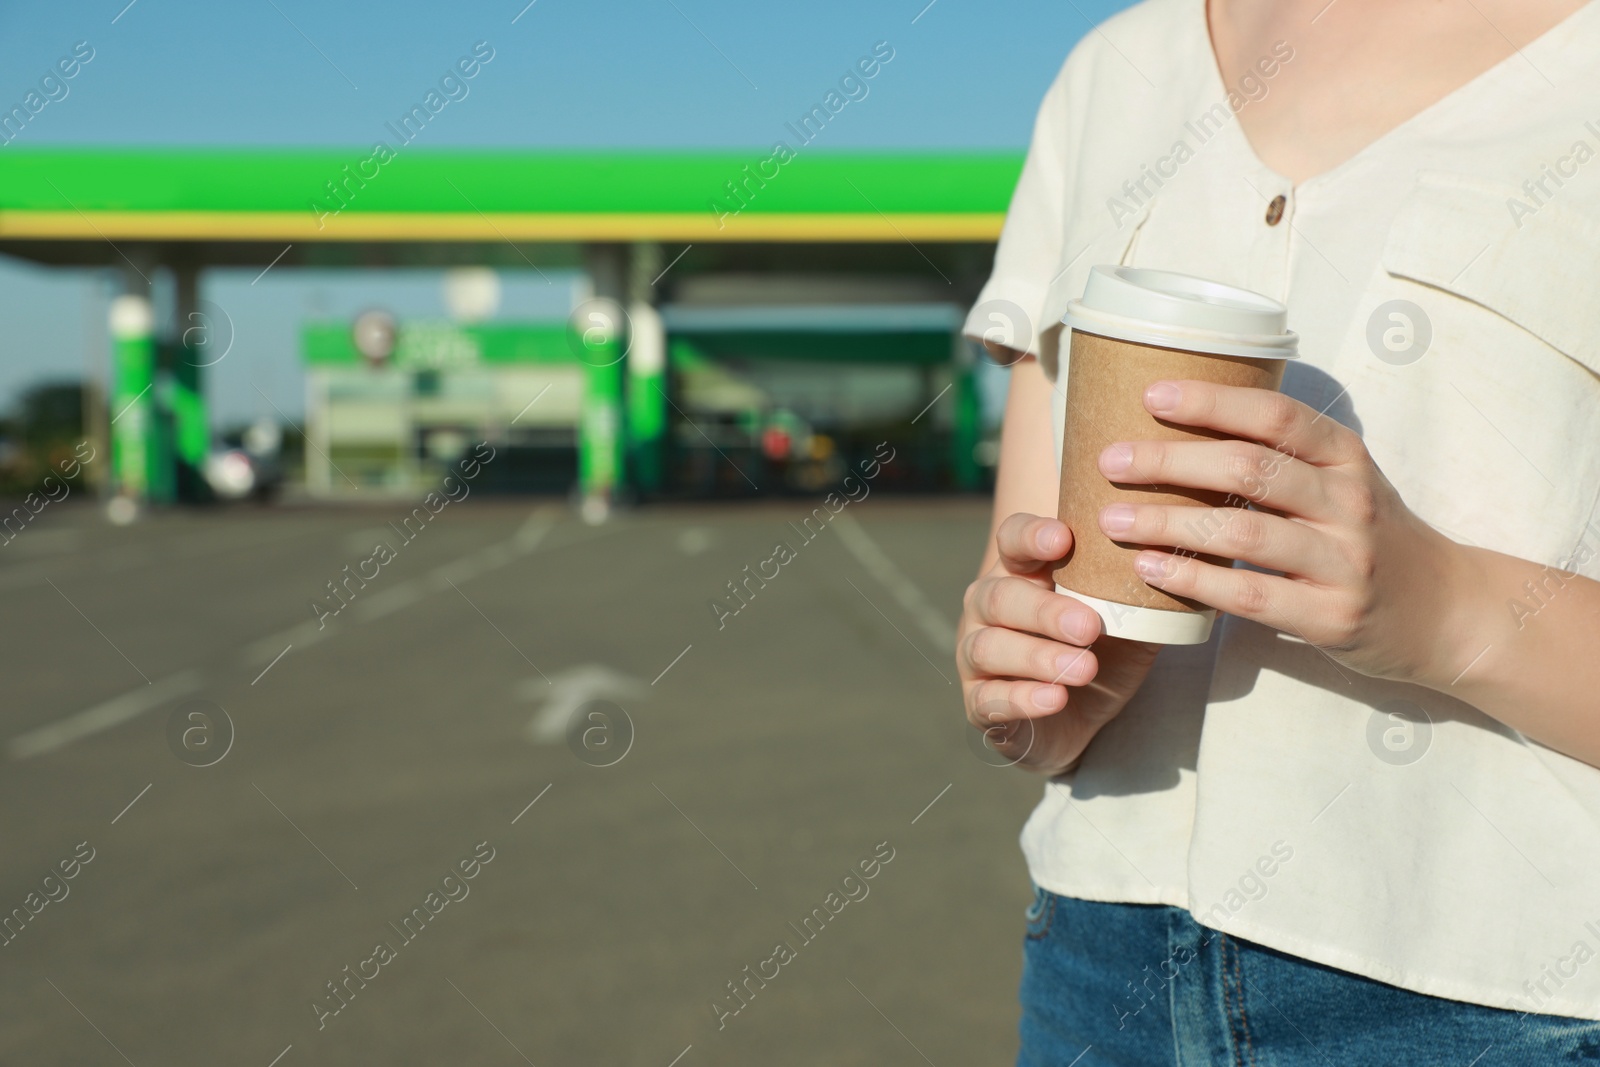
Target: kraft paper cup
column 1132, row 328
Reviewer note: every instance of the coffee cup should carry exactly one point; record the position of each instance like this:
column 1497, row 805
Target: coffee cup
column 1132, row 328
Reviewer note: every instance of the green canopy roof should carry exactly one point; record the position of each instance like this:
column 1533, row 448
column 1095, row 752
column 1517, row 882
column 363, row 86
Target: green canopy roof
column 406, row 194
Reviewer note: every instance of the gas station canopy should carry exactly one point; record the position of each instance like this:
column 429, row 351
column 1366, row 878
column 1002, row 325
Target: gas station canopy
column 856, row 236
column 65, row 205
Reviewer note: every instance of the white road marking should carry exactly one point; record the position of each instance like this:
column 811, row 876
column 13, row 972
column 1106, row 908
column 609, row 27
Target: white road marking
column 530, row 533
column 388, row 601
column 495, row 556
column 570, row 690
column 262, row 651
column 117, row 710
column 268, row 650
column 455, row 572
column 877, row 563
column 402, row 595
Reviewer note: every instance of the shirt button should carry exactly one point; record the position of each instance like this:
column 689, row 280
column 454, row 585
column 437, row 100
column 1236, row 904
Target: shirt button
column 1275, row 210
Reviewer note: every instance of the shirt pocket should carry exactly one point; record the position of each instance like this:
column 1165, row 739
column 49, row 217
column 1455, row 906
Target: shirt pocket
column 1536, row 265
column 1475, row 359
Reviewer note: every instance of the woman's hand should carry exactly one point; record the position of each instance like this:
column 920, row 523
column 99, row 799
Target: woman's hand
column 1361, row 576
column 1030, row 679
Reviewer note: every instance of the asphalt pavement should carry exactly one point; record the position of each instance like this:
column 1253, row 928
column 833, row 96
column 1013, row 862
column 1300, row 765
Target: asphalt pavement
column 518, row 791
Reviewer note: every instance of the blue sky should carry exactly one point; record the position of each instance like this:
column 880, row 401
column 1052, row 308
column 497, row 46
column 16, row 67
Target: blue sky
column 610, row 73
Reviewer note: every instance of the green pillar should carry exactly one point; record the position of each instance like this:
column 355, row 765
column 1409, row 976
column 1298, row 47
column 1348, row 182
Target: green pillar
column 647, row 396
column 191, row 432
column 599, row 331
column 600, row 442
column 967, row 422
column 137, row 458
column 201, row 342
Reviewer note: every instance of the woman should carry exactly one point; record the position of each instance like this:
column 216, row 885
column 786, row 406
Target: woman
column 1362, row 824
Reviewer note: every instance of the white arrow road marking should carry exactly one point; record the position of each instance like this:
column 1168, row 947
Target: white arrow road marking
column 571, row 689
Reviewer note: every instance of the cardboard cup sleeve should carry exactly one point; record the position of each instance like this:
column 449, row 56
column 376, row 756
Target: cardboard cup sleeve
column 1106, row 381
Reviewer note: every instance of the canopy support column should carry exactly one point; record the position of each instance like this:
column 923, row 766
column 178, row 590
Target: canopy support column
column 647, row 372
column 967, row 416
column 137, row 461
column 600, row 329
column 200, row 342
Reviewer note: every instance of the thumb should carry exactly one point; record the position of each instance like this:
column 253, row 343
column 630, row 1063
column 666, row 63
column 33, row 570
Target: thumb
column 1026, row 543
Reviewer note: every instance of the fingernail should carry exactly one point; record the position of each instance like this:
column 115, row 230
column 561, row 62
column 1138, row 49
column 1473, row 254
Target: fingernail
column 1116, row 459
column 1084, row 627
column 1079, row 627
column 1116, row 519
column 1044, row 698
column 1151, row 568
column 1048, row 541
column 1162, row 397
column 1068, row 666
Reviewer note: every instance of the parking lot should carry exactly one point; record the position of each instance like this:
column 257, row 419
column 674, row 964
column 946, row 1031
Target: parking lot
column 527, row 795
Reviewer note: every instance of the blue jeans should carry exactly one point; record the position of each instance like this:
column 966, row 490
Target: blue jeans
column 1133, row 985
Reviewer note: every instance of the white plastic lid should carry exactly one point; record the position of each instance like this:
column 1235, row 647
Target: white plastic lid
column 1148, row 624
column 1160, row 307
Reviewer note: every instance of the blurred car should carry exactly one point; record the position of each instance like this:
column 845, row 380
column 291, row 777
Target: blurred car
column 247, row 464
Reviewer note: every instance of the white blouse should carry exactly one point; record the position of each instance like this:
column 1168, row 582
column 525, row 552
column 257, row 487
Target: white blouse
column 1445, row 283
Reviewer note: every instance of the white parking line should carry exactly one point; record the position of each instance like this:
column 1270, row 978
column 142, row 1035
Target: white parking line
column 264, row 650
column 117, row 710
column 877, row 563
column 268, row 650
column 388, row 601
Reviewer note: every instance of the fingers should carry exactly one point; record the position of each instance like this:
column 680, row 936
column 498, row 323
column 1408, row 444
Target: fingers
column 992, row 652
column 1025, row 541
column 1235, row 533
column 1280, row 603
column 1048, row 744
column 1030, row 644
column 1242, row 469
column 998, row 701
column 1013, row 740
column 1031, row 744
column 1020, row 604
column 1258, row 415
